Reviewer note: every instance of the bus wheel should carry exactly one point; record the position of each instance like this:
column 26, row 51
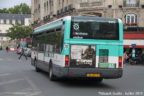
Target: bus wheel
column 99, row 80
column 36, row 68
column 32, row 62
column 51, row 75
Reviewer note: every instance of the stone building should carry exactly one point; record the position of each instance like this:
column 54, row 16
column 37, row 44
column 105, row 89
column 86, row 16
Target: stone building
column 131, row 12
column 6, row 21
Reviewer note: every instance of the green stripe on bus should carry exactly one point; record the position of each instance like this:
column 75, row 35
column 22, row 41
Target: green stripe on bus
column 121, row 39
column 94, row 42
column 66, row 37
column 121, row 31
column 113, row 50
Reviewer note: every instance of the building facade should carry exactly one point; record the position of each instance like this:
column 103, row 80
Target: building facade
column 131, row 12
column 6, row 21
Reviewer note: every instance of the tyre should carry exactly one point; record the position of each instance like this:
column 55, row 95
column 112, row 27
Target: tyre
column 32, row 62
column 36, row 68
column 99, row 80
column 51, row 75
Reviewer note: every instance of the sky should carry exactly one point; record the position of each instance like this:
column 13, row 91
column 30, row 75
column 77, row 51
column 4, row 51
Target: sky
column 11, row 3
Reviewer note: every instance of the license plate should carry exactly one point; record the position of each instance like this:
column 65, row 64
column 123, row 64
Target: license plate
column 93, row 75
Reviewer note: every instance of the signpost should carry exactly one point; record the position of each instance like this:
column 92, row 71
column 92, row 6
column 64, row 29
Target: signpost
column 133, row 50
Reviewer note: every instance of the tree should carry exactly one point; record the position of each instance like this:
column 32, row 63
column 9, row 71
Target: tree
column 4, row 10
column 14, row 10
column 23, row 8
column 18, row 32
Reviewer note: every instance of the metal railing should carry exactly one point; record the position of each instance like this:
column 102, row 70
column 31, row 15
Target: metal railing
column 91, row 4
column 134, row 29
column 131, row 4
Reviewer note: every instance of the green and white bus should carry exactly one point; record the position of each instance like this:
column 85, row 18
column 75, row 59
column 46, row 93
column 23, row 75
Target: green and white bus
column 79, row 46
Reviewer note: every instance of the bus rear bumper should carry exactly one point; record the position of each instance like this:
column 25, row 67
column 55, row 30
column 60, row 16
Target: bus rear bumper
column 103, row 73
column 82, row 72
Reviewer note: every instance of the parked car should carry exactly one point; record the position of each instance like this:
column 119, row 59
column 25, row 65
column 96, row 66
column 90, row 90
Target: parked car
column 19, row 50
column 28, row 52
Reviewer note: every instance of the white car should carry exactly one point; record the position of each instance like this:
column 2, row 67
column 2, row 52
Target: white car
column 28, row 52
column 19, row 50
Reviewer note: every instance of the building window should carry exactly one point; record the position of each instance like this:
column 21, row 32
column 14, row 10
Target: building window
column 7, row 21
column 19, row 21
column 96, row 0
column 13, row 22
column 1, row 21
column 29, row 21
column 131, row 19
column 131, row 1
column 47, row 3
column 47, row 6
column 59, row 2
column 39, row 7
column 85, row 0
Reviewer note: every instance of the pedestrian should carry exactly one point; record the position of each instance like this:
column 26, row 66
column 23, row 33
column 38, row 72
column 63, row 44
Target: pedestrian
column 18, row 46
column 125, row 57
column 23, row 53
column 7, row 48
column 0, row 47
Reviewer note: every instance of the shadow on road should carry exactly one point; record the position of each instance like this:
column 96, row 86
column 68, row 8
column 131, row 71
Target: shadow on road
column 84, row 83
column 79, row 83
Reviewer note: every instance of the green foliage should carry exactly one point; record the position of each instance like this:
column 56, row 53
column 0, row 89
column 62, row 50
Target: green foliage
column 4, row 10
column 23, row 8
column 18, row 32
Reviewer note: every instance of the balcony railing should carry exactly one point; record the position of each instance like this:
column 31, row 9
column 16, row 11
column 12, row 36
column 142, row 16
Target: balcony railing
column 134, row 29
column 129, row 24
column 131, row 4
column 91, row 4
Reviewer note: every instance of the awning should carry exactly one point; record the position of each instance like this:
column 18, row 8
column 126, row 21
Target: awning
column 138, row 46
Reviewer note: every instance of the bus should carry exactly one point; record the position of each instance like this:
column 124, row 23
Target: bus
column 79, row 47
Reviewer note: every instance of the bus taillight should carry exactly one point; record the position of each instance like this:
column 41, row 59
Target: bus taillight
column 120, row 62
column 66, row 61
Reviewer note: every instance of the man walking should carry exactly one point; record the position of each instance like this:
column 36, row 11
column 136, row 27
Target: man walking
column 23, row 53
column 7, row 48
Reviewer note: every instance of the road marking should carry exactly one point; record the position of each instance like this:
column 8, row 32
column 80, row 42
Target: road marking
column 21, row 93
column 5, row 74
column 34, row 87
column 11, row 81
column 34, row 94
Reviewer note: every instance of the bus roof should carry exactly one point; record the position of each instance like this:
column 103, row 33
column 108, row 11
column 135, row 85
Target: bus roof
column 51, row 25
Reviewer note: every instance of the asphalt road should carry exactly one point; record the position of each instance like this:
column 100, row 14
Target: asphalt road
column 18, row 78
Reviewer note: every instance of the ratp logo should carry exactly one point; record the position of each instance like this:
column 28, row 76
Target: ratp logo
column 76, row 26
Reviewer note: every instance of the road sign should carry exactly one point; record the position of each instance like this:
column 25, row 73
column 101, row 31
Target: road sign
column 133, row 45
